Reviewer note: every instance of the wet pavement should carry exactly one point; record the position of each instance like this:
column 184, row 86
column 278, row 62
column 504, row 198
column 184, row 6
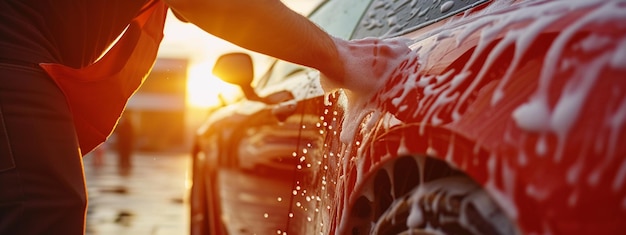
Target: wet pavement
column 150, row 198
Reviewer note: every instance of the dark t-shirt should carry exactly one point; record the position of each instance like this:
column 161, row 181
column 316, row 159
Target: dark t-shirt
column 71, row 32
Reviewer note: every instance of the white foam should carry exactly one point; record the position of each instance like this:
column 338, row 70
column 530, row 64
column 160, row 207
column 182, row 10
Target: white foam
column 620, row 178
column 619, row 57
column 367, row 75
column 533, row 115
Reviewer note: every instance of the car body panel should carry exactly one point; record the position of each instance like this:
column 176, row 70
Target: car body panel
column 487, row 96
column 526, row 97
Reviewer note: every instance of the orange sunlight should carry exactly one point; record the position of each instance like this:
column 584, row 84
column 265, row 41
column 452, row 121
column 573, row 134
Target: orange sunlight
column 184, row 40
column 203, row 88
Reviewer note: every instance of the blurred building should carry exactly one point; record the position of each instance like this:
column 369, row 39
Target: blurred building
column 158, row 108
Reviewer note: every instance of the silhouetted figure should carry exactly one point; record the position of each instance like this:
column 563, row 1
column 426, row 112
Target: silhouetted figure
column 68, row 68
column 125, row 143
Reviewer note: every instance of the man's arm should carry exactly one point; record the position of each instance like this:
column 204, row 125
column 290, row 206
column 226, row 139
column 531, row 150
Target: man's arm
column 265, row 26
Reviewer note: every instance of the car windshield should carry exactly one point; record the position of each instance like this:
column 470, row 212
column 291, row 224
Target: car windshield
column 392, row 18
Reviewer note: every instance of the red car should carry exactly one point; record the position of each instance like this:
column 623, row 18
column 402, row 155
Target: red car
column 507, row 117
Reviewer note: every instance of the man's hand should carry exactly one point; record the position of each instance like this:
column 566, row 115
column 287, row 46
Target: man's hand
column 366, row 63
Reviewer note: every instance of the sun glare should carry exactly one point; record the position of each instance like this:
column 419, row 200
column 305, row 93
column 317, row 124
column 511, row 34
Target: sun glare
column 203, row 88
column 186, row 40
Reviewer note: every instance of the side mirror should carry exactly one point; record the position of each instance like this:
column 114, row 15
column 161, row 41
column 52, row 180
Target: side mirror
column 235, row 68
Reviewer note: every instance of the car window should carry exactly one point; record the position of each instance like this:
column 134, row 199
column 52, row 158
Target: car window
column 281, row 70
column 337, row 17
column 340, row 17
column 388, row 18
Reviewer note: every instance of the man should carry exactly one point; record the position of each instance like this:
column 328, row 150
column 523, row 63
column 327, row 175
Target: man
column 66, row 73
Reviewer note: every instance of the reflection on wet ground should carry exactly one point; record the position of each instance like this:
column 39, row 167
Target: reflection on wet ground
column 150, row 198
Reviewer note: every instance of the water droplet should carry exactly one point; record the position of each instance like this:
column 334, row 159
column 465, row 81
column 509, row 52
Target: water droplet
column 446, row 6
column 422, row 13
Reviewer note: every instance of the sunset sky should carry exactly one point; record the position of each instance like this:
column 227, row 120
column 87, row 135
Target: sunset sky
column 187, row 41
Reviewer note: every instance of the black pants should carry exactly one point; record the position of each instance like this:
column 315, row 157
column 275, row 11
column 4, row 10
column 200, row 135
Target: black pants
column 42, row 185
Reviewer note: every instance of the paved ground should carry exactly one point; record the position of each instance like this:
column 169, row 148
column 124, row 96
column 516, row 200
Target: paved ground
column 150, row 199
